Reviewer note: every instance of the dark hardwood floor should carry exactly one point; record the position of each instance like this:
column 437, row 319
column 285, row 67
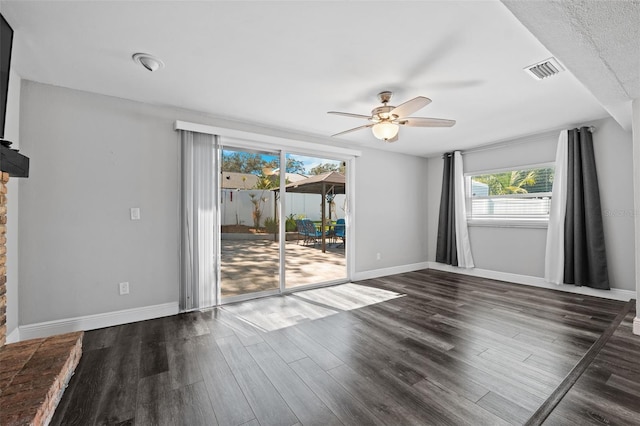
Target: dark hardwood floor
column 421, row 348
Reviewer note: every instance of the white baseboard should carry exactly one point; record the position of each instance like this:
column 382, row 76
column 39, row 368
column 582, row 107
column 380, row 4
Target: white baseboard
column 91, row 322
column 614, row 293
column 376, row 273
column 636, row 325
column 14, row 336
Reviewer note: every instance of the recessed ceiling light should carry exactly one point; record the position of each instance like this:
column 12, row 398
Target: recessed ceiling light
column 148, row 61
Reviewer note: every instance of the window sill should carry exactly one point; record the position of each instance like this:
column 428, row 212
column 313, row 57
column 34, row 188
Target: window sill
column 509, row 223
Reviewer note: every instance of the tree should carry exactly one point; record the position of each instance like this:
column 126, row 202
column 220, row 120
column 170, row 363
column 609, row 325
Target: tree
column 245, row 162
column 267, row 182
column 295, row 166
column 326, row 167
column 518, row 181
column 264, row 183
column 256, row 214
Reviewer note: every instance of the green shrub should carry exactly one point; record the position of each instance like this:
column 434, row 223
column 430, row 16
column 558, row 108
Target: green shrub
column 271, row 225
column 290, row 224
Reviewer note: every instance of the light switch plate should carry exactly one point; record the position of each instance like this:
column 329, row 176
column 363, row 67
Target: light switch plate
column 135, row 213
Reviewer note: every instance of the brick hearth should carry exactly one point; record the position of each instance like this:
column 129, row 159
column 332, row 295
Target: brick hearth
column 34, row 375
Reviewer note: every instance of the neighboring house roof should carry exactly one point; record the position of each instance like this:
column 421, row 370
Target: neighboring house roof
column 295, row 177
column 291, row 177
column 318, row 184
column 234, row 180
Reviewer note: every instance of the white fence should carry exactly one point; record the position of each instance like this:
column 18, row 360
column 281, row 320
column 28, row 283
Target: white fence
column 237, row 206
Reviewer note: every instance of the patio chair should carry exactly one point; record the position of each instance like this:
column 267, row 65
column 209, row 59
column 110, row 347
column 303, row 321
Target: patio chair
column 300, row 228
column 339, row 231
column 311, row 234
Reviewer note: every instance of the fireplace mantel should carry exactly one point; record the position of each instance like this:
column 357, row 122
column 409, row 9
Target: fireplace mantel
column 14, row 163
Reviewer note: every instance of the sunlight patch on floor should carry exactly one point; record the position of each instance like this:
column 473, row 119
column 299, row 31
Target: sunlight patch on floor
column 274, row 313
column 348, row 296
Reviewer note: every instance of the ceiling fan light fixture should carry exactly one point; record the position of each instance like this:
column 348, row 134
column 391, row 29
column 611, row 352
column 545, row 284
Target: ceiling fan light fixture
column 385, row 120
column 385, row 130
column 148, row 61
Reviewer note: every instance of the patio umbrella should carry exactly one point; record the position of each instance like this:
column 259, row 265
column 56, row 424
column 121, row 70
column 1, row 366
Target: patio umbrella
column 325, row 183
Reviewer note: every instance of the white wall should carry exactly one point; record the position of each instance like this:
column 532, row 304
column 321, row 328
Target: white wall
column 93, row 157
column 12, row 133
column 636, row 184
column 613, row 148
column 521, row 250
column 391, row 203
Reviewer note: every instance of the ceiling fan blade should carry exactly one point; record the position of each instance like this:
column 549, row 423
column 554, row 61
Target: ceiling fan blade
column 426, row 122
column 410, row 106
column 354, row 129
column 348, row 114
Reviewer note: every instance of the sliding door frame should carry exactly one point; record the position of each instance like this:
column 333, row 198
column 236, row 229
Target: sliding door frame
column 241, row 139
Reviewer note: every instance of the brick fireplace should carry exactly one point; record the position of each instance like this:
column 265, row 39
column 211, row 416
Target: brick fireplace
column 3, row 257
column 15, row 164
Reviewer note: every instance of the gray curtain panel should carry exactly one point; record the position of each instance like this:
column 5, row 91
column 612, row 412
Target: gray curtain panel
column 585, row 256
column 446, row 250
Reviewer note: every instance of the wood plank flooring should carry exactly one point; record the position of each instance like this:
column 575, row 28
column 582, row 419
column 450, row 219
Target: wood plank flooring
column 421, row 348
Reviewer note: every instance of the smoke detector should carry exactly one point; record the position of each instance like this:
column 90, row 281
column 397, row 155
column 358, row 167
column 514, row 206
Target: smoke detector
column 148, row 61
column 544, row 69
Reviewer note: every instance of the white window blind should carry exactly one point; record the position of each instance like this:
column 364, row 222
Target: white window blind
column 523, row 193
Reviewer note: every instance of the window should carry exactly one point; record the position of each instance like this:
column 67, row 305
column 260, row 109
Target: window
column 512, row 195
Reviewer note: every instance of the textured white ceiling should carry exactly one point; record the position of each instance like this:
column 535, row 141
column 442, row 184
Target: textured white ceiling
column 598, row 40
column 285, row 64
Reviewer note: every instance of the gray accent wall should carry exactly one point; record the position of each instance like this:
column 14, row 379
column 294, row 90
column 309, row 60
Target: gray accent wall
column 521, row 250
column 93, row 157
column 391, row 200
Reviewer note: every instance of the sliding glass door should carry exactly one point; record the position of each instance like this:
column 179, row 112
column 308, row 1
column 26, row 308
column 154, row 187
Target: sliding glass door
column 249, row 250
column 315, row 210
column 280, row 228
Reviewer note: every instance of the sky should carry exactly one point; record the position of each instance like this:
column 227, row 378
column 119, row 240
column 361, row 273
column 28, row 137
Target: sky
column 308, row 162
column 311, row 162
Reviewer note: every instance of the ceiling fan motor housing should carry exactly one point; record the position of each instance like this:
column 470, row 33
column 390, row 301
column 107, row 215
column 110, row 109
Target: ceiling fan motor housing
column 383, row 113
column 385, row 96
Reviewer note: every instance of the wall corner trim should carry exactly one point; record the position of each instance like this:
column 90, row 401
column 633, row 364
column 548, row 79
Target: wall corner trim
column 636, row 325
column 14, row 336
column 91, row 322
column 614, row 293
column 383, row 272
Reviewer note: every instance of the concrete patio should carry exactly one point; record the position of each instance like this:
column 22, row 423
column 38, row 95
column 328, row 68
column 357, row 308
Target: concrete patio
column 252, row 266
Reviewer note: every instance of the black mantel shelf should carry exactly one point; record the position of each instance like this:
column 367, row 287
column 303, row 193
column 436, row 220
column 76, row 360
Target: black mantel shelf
column 14, row 163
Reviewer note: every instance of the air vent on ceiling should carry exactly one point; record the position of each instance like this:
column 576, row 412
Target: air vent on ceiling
column 544, row 69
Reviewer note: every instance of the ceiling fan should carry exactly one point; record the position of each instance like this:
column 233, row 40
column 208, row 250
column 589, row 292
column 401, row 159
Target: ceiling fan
column 387, row 119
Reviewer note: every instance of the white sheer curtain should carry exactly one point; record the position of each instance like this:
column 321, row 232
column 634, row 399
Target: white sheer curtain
column 554, row 254
column 197, row 220
column 463, row 246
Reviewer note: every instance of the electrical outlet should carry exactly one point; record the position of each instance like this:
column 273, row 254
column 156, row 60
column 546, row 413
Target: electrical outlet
column 135, row 213
column 124, row 288
column 378, row 256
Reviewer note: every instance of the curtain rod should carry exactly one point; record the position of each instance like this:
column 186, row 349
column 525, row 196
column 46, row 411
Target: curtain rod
column 497, row 145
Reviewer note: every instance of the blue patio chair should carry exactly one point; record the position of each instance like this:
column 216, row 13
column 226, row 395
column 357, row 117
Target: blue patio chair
column 300, row 228
column 339, row 231
column 311, row 234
